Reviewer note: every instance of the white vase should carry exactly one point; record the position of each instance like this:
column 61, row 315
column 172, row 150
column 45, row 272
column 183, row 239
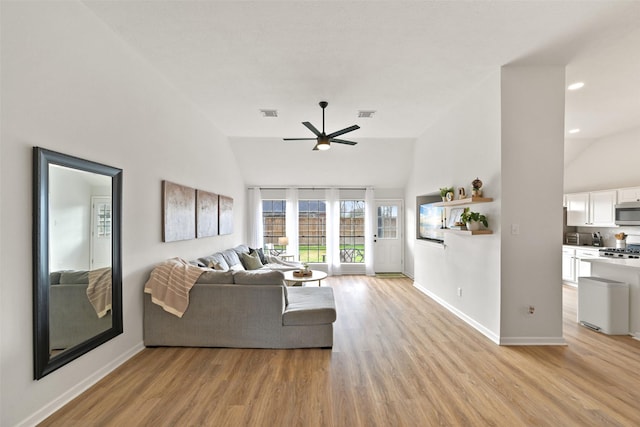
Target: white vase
column 473, row 225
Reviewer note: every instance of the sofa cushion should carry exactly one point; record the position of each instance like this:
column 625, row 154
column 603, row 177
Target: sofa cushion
column 259, row 277
column 216, row 277
column 309, row 306
column 251, row 261
column 241, row 249
column 215, row 261
column 262, row 277
column 74, row 277
column 231, row 257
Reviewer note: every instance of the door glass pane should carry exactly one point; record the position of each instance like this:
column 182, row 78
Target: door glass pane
column 388, row 222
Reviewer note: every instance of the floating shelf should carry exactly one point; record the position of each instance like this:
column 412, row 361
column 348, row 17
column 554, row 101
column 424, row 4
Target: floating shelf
column 469, row 232
column 467, row 201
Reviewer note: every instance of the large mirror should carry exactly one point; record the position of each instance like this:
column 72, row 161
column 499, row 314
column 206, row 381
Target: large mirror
column 77, row 267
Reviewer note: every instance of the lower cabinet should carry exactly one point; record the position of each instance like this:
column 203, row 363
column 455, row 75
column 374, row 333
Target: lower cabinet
column 574, row 264
column 568, row 265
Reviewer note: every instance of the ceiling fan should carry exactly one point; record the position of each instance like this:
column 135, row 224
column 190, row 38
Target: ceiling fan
column 323, row 140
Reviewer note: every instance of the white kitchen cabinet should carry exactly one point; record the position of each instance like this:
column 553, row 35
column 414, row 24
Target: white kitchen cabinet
column 574, row 264
column 577, row 209
column 594, row 209
column 629, row 195
column 582, row 267
column 602, row 208
column 568, row 265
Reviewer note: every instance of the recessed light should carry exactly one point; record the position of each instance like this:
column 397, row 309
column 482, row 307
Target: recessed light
column 575, row 86
column 576, row 130
column 269, row 113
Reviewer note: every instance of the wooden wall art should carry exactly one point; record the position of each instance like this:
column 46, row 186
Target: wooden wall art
column 179, row 212
column 206, row 214
column 226, row 215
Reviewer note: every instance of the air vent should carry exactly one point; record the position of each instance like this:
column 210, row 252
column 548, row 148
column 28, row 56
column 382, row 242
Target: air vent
column 269, row 113
column 366, row 114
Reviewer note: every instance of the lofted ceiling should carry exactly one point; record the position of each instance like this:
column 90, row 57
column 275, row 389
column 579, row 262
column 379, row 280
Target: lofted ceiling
column 407, row 60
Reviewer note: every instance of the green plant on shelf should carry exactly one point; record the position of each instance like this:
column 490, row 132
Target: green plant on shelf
column 468, row 216
column 445, row 190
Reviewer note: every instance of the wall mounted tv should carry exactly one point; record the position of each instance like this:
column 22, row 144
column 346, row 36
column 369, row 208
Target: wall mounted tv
column 430, row 226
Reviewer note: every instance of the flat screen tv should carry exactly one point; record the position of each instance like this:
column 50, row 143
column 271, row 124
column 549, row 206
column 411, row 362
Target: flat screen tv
column 430, row 222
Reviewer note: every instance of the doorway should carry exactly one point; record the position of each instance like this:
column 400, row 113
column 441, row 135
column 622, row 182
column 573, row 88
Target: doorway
column 388, row 237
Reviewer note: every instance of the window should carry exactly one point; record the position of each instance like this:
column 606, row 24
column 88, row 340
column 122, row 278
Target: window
column 312, row 244
column 352, row 231
column 274, row 223
column 388, row 222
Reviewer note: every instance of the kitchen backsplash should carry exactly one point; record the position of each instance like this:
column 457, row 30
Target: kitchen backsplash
column 609, row 232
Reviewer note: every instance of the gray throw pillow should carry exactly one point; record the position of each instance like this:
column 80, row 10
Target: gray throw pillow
column 74, row 277
column 216, row 277
column 251, row 262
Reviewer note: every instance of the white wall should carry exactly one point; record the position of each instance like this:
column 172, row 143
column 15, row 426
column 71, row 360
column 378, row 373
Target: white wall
column 463, row 145
column 70, row 85
column 380, row 163
column 609, row 162
column 532, row 101
column 508, row 132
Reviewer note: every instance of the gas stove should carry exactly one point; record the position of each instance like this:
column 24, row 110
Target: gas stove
column 631, row 251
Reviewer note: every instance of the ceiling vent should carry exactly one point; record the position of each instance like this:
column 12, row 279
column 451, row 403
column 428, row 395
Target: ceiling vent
column 269, row 113
column 366, row 114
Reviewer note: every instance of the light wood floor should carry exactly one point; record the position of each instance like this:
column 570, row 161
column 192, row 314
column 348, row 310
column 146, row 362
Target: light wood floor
column 399, row 359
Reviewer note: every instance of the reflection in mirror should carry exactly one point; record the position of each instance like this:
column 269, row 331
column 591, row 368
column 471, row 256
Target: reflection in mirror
column 77, row 267
column 79, row 254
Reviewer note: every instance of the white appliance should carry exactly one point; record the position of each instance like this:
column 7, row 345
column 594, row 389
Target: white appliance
column 603, row 305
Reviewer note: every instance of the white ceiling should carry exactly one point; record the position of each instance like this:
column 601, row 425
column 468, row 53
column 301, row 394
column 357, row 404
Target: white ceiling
column 408, row 60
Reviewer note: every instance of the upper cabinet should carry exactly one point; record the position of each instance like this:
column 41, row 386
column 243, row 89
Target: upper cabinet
column 629, row 195
column 593, row 209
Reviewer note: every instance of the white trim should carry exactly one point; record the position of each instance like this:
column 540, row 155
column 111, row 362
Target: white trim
column 533, row 341
column 79, row 388
column 477, row 326
column 488, row 333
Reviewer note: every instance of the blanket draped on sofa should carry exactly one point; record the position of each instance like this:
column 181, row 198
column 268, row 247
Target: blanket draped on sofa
column 170, row 282
column 99, row 290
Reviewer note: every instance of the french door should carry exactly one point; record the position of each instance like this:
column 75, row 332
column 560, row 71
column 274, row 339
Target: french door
column 388, row 238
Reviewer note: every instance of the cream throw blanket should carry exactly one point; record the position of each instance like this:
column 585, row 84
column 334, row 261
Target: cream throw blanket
column 99, row 290
column 170, row 283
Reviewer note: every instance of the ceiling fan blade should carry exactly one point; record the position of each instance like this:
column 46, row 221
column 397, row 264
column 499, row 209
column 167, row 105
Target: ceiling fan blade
column 315, row 148
column 300, row 139
column 343, row 141
column 343, row 131
column 312, row 128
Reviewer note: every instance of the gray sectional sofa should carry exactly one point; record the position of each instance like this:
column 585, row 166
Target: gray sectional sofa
column 72, row 318
column 236, row 307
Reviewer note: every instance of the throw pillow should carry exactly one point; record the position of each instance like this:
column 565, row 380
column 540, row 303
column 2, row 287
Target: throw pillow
column 260, row 254
column 216, row 266
column 251, row 261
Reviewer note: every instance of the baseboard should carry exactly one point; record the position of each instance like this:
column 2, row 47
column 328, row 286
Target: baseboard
column 79, row 388
column 532, row 341
column 471, row 322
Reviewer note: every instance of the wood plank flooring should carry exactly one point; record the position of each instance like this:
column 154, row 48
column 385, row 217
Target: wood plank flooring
column 399, row 359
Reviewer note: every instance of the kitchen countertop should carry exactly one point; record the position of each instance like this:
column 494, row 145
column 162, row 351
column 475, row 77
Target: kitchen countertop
column 564, row 245
column 627, row 263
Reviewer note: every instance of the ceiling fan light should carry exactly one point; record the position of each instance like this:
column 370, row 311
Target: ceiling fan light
column 324, row 146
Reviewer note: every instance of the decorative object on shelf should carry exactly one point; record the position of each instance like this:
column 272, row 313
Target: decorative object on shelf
column 473, row 219
column 461, row 193
column 444, row 191
column 476, row 188
column 621, row 240
column 454, row 218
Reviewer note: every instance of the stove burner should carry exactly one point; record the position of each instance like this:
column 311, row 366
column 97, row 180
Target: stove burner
column 628, row 252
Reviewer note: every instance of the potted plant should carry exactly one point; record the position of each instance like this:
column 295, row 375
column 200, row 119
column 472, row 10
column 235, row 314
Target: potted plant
column 444, row 191
column 473, row 219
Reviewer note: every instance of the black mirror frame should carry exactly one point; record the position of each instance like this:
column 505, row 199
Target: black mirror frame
column 42, row 158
